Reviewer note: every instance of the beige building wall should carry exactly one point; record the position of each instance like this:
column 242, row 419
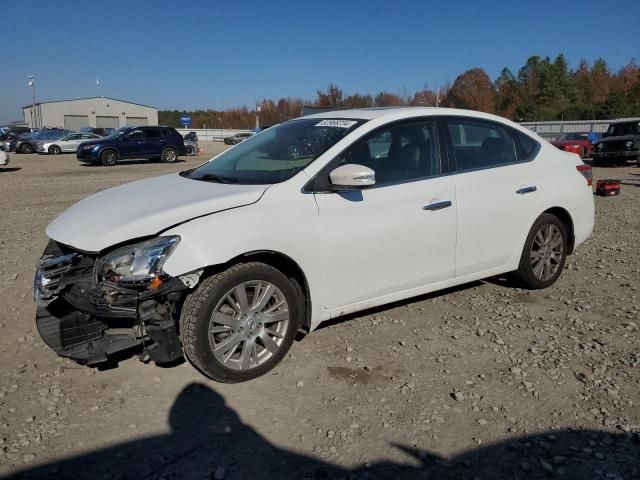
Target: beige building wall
column 51, row 114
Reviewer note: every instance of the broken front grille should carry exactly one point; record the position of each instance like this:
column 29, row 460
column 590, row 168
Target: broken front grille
column 49, row 273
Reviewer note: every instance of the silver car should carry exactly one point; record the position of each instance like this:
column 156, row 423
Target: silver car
column 67, row 144
column 191, row 147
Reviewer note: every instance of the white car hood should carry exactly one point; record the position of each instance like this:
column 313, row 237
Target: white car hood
column 145, row 208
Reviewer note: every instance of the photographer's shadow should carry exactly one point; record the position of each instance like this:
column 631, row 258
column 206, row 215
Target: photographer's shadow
column 207, row 437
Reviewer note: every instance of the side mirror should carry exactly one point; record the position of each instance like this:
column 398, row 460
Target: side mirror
column 352, row 176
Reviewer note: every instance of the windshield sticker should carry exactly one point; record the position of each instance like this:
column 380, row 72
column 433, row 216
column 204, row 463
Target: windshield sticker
column 336, row 123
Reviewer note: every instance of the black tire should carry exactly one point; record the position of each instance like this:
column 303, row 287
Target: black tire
column 26, row 148
column 190, row 150
column 109, row 158
column 198, row 308
column 525, row 272
column 55, row 150
column 169, row 155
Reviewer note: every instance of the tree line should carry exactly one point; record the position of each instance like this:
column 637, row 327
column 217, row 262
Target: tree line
column 542, row 89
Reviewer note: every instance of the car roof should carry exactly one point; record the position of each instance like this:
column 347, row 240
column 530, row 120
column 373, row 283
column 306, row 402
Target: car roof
column 397, row 113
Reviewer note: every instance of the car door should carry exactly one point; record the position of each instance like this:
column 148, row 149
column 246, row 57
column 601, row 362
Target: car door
column 71, row 142
column 496, row 190
column 133, row 144
column 398, row 235
column 154, row 141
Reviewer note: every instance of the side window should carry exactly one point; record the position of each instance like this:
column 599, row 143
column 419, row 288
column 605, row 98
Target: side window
column 152, row 133
column 480, row 144
column 135, row 135
column 75, row 136
column 526, row 147
column 398, row 153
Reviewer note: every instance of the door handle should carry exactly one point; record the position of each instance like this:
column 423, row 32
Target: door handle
column 437, row 205
column 525, row 190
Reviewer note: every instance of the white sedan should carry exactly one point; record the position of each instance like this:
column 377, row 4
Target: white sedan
column 309, row 220
column 67, row 144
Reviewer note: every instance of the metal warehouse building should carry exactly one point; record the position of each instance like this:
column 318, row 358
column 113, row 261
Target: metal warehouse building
column 89, row 112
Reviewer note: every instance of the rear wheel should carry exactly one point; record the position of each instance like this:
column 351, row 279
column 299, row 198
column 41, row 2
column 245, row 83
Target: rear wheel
column 240, row 323
column 169, row 155
column 54, row 149
column 544, row 254
column 108, row 158
column 190, row 150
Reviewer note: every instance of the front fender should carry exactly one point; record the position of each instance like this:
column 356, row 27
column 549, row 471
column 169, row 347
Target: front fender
column 286, row 226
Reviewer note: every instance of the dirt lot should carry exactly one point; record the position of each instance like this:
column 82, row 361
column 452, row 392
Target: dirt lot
column 486, row 381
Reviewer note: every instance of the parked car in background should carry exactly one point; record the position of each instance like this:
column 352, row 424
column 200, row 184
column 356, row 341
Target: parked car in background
column 228, row 261
column 621, row 142
column 28, row 143
column 191, row 148
column 191, row 136
column 67, row 144
column 575, row 142
column 13, row 131
column 4, row 158
column 163, row 143
column 237, row 138
column 100, row 131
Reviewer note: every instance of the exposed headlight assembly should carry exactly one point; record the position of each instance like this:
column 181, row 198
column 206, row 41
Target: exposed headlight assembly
column 138, row 265
column 600, row 146
column 629, row 145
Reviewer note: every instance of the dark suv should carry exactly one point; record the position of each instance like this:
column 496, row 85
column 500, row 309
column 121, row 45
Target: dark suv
column 163, row 143
column 620, row 143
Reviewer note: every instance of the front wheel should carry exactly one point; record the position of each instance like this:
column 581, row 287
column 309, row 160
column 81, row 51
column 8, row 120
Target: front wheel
column 169, row 155
column 240, row 323
column 55, row 150
column 544, row 254
column 26, row 148
column 108, row 158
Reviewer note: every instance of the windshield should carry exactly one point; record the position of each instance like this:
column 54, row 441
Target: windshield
column 276, row 154
column 619, row 129
column 574, row 136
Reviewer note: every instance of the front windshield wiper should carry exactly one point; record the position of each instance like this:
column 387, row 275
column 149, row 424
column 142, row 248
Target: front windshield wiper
column 210, row 177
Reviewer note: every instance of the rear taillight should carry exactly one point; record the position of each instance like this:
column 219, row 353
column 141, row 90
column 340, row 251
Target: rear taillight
column 586, row 172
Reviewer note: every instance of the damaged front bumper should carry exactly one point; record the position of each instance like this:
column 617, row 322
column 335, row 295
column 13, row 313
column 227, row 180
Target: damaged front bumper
column 94, row 324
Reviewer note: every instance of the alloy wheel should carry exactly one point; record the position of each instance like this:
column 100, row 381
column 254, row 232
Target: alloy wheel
column 547, row 252
column 169, row 155
column 248, row 325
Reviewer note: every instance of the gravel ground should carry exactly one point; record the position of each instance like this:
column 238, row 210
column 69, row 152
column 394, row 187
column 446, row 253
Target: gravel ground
column 481, row 382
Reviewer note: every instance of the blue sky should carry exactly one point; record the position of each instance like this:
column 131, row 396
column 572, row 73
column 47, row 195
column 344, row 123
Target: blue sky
column 220, row 54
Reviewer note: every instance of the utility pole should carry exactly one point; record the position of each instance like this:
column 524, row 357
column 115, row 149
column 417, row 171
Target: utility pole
column 258, row 115
column 32, row 84
column 438, row 97
column 98, row 84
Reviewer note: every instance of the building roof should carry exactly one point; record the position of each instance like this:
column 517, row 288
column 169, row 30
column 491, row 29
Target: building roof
column 91, row 98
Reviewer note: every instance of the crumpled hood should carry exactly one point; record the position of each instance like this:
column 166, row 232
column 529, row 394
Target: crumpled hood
column 144, row 208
